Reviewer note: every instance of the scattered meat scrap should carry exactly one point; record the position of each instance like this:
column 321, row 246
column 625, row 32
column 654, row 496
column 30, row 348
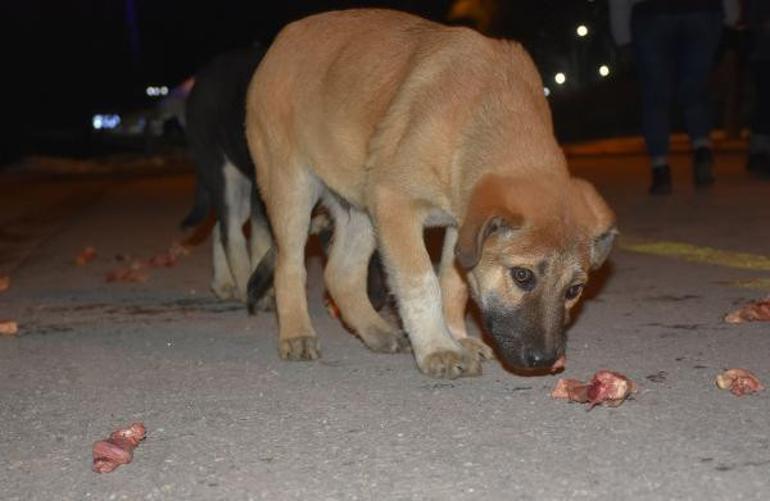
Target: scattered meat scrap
column 118, row 449
column 163, row 260
column 605, row 388
column 739, row 381
column 559, row 365
column 5, row 282
column 123, row 257
column 571, row 389
column 134, row 273
column 169, row 257
column 754, row 311
column 8, row 328
column 200, row 233
column 179, row 249
column 87, row 255
column 331, row 307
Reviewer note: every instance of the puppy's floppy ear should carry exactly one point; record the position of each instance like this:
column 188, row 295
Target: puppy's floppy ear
column 477, row 228
column 601, row 247
column 600, row 221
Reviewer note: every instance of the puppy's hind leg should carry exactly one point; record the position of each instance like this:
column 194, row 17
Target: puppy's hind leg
column 234, row 213
column 293, row 193
column 261, row 244
column 261, row 239
column 222, row 284
column 346, row 278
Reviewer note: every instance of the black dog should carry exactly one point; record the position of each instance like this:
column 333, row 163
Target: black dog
column 215, row 115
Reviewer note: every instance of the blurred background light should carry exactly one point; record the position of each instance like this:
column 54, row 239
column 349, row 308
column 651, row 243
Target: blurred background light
column 108, row 121
column 155, row 90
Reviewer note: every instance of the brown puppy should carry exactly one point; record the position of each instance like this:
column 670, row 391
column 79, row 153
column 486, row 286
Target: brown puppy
column 396, row 123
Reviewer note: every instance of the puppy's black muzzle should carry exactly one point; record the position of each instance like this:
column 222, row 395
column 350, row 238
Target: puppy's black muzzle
column 523, row 340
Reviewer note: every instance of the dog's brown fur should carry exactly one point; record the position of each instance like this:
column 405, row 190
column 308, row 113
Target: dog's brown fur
column 398, row 123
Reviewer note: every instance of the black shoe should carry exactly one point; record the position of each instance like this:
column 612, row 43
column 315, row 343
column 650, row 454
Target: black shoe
column 759, row 163
column 703, row 166
column 661, row 180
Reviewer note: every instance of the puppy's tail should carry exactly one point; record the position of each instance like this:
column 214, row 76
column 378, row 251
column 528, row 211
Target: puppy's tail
column 261, row 280
column 200, row 209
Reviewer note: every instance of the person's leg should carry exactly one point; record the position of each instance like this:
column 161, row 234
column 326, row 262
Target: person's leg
column 653, row 44
column 700, row 35
column 759, row 149
column 761, row 122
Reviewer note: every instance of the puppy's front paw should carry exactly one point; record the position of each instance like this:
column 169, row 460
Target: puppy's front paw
column 299, row 348
column 223, row 291
column 385, row 341
column 477, row 347
column 451, row 364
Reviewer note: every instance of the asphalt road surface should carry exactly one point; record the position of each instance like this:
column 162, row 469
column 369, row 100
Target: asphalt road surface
column 227, row 419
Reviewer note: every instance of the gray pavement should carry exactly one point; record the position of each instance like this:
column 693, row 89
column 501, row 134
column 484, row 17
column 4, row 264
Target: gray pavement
column 227, row 419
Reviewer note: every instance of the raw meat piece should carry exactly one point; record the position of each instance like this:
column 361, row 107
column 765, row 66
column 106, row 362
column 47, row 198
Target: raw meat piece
column 8, row 328
column 611, row 388
column 179, row 249
column 118, row 449
column 605, row 388
column 132, row 274
column 754, row 311
column 170, row 257
column 87, row 255
column 571, row 389
column 331, row 307
column 739, row 381
column 560, row 364
column 164, row 259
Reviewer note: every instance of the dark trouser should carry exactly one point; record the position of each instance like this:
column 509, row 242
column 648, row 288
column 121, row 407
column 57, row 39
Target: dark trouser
column 760, row 123
column 674, row 55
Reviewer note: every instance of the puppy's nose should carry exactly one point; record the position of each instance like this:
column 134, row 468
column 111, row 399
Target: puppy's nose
column 538, row 358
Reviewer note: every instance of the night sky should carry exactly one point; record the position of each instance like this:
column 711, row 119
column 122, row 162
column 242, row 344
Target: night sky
column 64, row 61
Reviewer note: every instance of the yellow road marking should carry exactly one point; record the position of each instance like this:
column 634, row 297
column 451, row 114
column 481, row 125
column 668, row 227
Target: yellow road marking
column 697, row 254
column 762, row 284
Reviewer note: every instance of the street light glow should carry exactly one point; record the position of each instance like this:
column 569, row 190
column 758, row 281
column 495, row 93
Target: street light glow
column 582, row 30
column 156, row 91
column 604, row 70
column 560, row 78
column 100, row 122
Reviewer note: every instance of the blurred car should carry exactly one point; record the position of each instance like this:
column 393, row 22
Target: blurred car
column 165, row 118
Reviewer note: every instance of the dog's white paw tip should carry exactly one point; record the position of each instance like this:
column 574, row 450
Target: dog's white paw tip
column 381, row 341
column 300, row 348
column 478, row 348
column 451, row 364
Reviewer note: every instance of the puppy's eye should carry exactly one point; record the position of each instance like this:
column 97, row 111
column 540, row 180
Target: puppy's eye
column 523, row 277
column 573, row 291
